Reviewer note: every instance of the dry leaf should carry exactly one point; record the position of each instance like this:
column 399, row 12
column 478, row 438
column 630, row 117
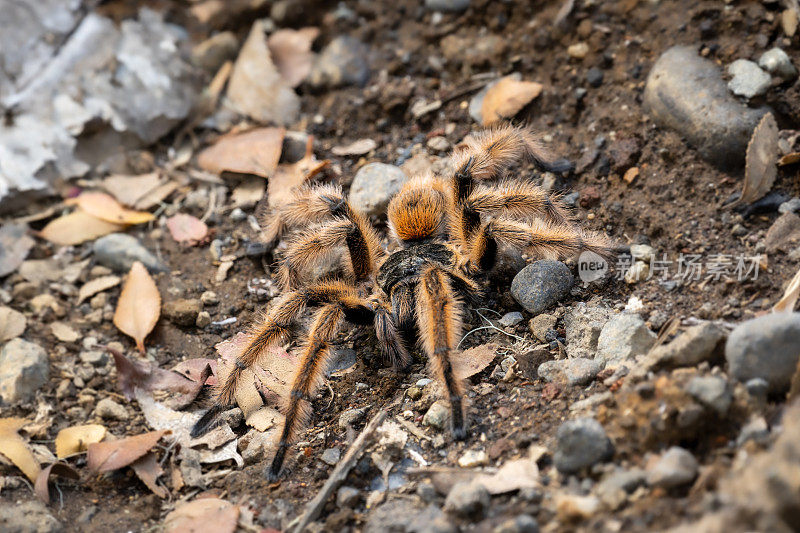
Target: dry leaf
column 470, row 362
column 113, row 455
column 359, row 147
column 254, row 152
column 92, row 287
column 139, row 305
column 291, row 52
column 187, row 229
column 513, row 475
column 507, row 98
column 63, row 332
column 76, row 439
column 41, row 486
column 132, row 375
column 249, row 193
column 77, row 227
column 105, row 207
column 759, row 168
column 287, row 177
column 148, row 470
column 194, row 368
column 789, row 159
column 15, row 243
column 205, row 514
column 141, row 192
column 12, row 324
column 15, row 449
column 790, row 296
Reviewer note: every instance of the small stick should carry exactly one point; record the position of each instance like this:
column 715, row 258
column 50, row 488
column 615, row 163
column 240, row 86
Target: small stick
column 314, row 507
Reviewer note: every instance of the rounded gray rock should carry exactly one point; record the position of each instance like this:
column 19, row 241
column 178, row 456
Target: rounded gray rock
column 623, row 338
column 523, row 523
column 24, row 368
column 468, row 500
column 675, row 468
column 581, row 443
column 711, row 391
column 747, row 79
column 119, row 251
column 687, row 93
column 343, row 62
column 541, row 284
column 578, row 371
column 777, row 62
column 374, row 185
column 766, row 347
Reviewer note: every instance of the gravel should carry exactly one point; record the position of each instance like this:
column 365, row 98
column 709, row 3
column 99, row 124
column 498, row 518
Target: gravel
column 511, row 319
column 703, row 342
column 541, row 284
column 467, row 500
column 687, row 93
column 111, row 410
column 711, row 391
column 119, row 251
column 374, row 185
column 623, row 338
column 581, row 443
column 776, row 62
column 578, row 371
column 28, row 517
column 473, row 458
column 767, row 348
column 437, row 416
column 675, row 468
column 24, row 368
column 583, row 324
column 541, row 324
column 345, row 61
column 747, row 79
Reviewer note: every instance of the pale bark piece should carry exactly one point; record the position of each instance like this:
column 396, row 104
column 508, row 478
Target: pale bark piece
column 77, row 227
column 106, row 207
column 15, row 449
column 204, row 514
column 291, row 51
column 507, row 98
column 12, row 324
column 94, row 286
column 760, row 166
column 256, row 87
column 253, row 152
column 113, row 455
column 139, row 305
column 76, row 439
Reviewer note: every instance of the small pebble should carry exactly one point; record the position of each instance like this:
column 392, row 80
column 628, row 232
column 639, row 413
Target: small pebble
column 675, row 468
column 109, row 409
column 473, row 458
column 747, row 79
column 511, row 319
column 594, row 77
column 578, row 50
column 203, row 319
column 777, row 62
column 468, row 500
column 331, row 456
column 437, row 416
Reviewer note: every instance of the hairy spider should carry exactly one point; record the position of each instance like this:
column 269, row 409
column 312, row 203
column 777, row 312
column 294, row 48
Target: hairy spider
column 448, row 229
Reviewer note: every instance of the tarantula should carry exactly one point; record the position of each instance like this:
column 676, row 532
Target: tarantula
column 448, row 230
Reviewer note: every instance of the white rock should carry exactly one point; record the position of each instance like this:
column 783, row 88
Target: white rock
column 776, row 62
column 748, row 79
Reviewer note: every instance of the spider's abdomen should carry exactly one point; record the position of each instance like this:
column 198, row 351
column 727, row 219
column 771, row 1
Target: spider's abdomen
column 408, row 262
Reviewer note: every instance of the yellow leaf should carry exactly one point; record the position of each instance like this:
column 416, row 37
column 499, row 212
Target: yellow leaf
column 77, row 227
column 92, row 287
column 139, row 305
column 15, row 449
column 105, row 207
column 76, row 439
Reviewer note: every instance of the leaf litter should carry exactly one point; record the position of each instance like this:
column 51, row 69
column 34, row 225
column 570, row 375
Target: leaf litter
column 14, row 448
column 139, row 305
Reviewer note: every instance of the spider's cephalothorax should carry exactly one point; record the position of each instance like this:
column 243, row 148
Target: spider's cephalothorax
column 449, row 229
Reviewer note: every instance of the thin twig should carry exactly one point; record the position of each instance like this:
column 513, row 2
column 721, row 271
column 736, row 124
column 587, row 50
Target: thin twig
column 490, row 326
column 314, row 507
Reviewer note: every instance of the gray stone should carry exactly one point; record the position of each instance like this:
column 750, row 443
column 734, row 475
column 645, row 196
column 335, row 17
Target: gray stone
column 577, row 371
column 345, row 61
column 687, row 93
column 583, row 324
column 614, row 488
column 703, row 342
column 351, row 417
column 541, row 284
column 374, row 185
column 541, row 324
column 756, row 430
column 467, row 499
column 747, row 79
column 767, row 347
column 94, row 357
column 675, row 468
column 214, row 51
column 24, row 368
column 430, row 520
column 182, row 312
column 711, row 391
column 109, row 409
column 347, row 497
column 331, row 456
column 511, row 319
column 437, row 416
column 27, row 517
column 393, row 516
column 776, row 62
column 581, row 443
column 792, row 206
column 119, row 251
column 454, row 6
column 523, row 523
column 623, row 338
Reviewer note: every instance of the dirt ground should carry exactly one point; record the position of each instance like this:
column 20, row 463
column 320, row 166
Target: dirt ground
column 675, row 205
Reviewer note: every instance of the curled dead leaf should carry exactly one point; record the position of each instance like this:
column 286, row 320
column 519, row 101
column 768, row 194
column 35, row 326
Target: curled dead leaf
column 105, row 207
column 205, row 514
column 139, row 305
column 144, row 375
column 187, row 229
column 140, row 192
column 291, row 53
column 41, row 485
column 113, row 455
column 148, row 470
column 15, row 449
column 254, row 152
column 77, row 227
column 507, row 98
column 76, row 439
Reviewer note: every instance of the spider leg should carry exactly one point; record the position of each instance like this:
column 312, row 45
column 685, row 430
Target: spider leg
column 307, row 205
column 517, row 199
column 389, row 337
column 309, row 376
column 271, row 330
column 403, row 298
column 439, row 320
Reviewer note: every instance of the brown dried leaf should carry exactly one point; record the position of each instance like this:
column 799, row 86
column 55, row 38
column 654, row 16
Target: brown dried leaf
column 205, row 514
column 105, row 207
column 92, row 287
column 470, row 362
column 15, row 449
column 759, row 168
column 116, row 454
column 187, row 229
column 790, row 296
column 359, row 147
column 507, row 98
column 789, row 159
column 76, row 439
column 140, row 192
column 41, row 485
column 12, row 324
column 148, row 470
column 139, row 305
column 132, row 375
column 287, row 177
column 193, row 369
column 77, row 227
column 254, row 152
column 291, row 52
